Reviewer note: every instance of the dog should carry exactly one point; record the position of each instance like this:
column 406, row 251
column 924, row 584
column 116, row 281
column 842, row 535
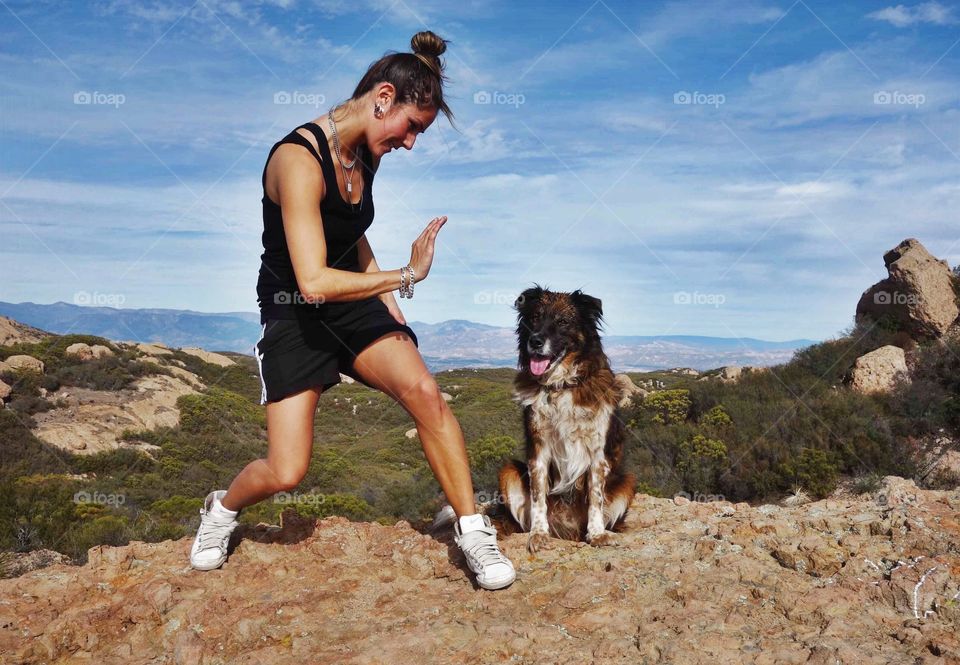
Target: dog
column 572, row 485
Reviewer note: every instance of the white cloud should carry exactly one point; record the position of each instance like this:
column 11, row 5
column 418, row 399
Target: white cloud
column 927, row 12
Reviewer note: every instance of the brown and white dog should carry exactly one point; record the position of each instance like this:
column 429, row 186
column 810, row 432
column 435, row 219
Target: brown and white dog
column 571, row 485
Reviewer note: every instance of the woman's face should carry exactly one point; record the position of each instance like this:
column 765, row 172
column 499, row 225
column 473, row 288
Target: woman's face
column 399, row 128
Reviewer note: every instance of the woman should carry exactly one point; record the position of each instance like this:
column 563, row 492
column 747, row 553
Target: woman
column 327, row 308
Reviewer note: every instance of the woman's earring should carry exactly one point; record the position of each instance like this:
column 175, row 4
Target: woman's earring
column 377, row 111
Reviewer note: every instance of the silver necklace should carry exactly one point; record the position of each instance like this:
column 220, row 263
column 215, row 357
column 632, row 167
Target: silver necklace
column 344, row 167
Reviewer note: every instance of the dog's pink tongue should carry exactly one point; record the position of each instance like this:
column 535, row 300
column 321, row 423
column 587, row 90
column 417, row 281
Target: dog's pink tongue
column 538, row 364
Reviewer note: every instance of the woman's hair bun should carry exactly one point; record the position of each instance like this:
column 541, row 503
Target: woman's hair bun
column 428, row 43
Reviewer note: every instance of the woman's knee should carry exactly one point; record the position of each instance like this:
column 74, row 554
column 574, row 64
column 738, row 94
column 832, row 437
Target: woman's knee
column 425, row 397
column 287, row 476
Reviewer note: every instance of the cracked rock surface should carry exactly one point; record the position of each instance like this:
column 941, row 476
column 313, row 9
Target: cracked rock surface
column 868, row 579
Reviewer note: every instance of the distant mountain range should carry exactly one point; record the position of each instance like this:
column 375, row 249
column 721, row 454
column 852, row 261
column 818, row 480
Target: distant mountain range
column 445, row 345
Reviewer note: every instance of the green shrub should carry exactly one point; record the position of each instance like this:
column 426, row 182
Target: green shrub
column 667, row 407
column 177, row 507
column 716, row 417
column 487, row 455
column 699, row 462
column 346, row 505
column 814, row 470
column 867, row 483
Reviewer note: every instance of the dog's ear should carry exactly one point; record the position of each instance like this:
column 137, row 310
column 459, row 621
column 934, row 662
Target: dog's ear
column 527, row 298
column 590, row 308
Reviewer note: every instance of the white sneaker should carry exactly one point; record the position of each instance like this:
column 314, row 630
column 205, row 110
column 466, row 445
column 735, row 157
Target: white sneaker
column 209, row 549
column 493, row 569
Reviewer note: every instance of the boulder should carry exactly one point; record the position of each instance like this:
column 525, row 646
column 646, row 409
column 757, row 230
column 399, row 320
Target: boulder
column 879, row 370
column 5, row 391
column 730, row 373
column 917, row 294
column 411, row 433
column 208, row 356
column 628, row 389
column 86, row 352
column 23, row 362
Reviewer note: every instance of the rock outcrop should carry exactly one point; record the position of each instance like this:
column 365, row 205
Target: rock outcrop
column 730, row 373
column 12, row 332
column 90, row 421
column 879, row 370
column 87, row 352
column 152, row 348
column 628, row 389
column 917, row 295
column 208, row 356
column 22, row 362
column 874, row 579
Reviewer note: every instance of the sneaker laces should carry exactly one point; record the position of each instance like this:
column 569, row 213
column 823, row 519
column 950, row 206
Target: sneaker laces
column 214, row 531
column 484, row 550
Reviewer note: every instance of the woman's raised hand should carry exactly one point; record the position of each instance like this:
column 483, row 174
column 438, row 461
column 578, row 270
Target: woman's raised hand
column 421, row 257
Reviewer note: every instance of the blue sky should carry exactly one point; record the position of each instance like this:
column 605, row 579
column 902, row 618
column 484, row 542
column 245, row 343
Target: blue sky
column 712, row 168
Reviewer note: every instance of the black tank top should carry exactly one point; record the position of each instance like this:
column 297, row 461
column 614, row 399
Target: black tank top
column 277, row 292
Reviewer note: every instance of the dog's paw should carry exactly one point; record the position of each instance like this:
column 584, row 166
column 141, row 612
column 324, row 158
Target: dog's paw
column 606, row 538
column 539, row 541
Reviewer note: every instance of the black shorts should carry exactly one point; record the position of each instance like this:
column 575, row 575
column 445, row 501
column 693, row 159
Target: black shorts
column 296, row 354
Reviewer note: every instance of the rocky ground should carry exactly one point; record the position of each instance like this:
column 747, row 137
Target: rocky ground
column 868, row 579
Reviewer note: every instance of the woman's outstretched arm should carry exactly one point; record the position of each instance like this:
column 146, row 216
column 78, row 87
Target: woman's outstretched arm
column 368, row 262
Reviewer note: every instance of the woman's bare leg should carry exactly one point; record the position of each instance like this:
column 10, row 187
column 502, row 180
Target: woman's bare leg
column 393, row 365
column 289, row 446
